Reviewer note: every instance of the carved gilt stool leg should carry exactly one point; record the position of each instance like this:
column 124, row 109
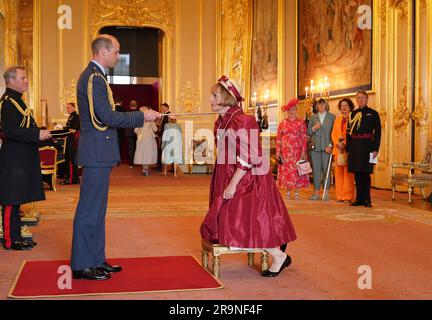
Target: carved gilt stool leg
column 393, row 192
column 251, row 256
column 264, row 260
column 423, row 193
column 410, row 191
column 216, row 266
column 204, row 256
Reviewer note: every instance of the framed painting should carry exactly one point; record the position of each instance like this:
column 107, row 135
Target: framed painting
column 334, row 42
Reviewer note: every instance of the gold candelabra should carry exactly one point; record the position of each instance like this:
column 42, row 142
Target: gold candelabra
column 313, row 92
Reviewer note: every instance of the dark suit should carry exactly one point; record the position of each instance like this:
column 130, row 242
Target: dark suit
column 160, row 132
column 98, row 153
column 363, row 137
column 73, row 123
column 131, row 140
column 20, row 172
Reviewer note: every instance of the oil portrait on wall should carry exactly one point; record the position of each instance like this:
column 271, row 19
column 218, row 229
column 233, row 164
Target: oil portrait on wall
column 332, row 43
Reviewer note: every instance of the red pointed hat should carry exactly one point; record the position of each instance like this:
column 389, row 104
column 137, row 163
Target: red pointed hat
column 290, row 105
column 231, row 87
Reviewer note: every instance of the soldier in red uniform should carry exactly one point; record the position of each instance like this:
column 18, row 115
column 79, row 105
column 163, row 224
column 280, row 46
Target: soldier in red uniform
column 20, row 172
column 363, row 142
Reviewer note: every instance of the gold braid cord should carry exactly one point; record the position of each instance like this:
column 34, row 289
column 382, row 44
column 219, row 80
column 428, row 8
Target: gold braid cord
column 25, row 113
column 356, row 121
column 96, row 123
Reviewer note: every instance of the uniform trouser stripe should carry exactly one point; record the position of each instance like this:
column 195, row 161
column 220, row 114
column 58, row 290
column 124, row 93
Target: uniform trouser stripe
column 7, row 226
column 70, row 172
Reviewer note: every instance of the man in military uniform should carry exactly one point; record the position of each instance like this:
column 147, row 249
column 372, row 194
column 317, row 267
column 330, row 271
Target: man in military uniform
column 20, row 171
column 363, row 142
column 73, row 125
column 98, row 153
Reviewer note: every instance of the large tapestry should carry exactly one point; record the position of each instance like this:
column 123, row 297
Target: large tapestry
column 331, row 43
column 264, row 62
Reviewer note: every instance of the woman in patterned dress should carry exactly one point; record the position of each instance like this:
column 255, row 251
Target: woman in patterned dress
column 291, row 146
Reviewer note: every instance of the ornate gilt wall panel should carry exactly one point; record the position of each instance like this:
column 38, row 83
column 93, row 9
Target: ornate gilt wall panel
column 132, row 13
column 11, row 15
column 234, row 35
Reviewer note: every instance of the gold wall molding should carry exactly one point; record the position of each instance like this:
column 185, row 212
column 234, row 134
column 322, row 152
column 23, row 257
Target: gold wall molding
column 401, row 114
column 69, row 94
column 421, row 114
column 402, row 9
column 383, row 17
column 383, row 118
column 11, row 23
column 188, row 98
column 132, row 13
column 234, row 39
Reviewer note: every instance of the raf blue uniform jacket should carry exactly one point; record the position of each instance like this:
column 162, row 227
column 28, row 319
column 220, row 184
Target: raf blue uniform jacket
column 100, row 148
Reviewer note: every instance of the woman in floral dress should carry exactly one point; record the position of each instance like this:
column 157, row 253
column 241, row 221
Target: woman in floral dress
column 291, row 146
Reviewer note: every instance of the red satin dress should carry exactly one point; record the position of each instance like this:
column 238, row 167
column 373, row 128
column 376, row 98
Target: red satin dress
column 256, row 217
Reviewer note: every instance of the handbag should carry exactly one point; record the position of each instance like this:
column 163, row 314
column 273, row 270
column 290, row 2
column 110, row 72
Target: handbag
column 303, row 167
column 341, row 160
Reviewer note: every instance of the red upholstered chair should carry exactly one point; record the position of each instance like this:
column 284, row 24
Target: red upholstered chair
column 48, row 159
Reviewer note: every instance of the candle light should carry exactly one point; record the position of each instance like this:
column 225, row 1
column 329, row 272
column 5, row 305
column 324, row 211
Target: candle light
column 266, row 95
column 307, row 90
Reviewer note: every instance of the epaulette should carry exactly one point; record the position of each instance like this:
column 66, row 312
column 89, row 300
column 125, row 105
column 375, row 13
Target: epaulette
column 25, row 113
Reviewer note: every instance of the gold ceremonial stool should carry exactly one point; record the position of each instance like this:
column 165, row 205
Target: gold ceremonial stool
column 217, row 250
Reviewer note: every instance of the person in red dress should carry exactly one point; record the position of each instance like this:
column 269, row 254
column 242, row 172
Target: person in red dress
column 291, row 146
column 246, row 209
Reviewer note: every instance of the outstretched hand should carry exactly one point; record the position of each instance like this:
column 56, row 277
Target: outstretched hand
column 151, row 115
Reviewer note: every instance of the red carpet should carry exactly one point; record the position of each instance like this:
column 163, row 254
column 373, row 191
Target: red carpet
column 38, row 279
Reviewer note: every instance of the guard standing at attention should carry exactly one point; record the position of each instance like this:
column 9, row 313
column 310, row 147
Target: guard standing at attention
column 363, row 143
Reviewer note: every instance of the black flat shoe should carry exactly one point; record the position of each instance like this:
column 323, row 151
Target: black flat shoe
column 283, row 247
column 268, row 273
column 90, row 274
column 107, row 268
column 357, row 203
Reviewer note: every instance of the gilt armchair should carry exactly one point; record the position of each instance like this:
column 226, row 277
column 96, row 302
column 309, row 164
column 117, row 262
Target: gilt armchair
column 48, row 158
column 413, row 174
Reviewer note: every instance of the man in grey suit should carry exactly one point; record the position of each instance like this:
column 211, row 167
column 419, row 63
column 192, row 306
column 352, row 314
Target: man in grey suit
column 319, row 131
column 98, row 153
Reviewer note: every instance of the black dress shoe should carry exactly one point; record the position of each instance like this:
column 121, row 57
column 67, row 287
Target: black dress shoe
column 357, row 203
column 90, row 274
column 367, row 204
column 270, row 274
column 65, row 182
column 29, row 243
column 18, row 245
column 107, row 268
